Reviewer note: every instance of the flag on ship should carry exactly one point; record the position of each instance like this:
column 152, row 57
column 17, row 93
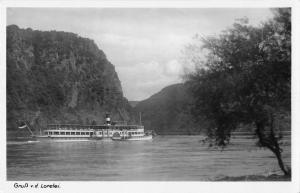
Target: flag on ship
column 22, row 125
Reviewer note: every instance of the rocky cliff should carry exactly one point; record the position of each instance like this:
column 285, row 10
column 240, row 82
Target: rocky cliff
column 59, row 77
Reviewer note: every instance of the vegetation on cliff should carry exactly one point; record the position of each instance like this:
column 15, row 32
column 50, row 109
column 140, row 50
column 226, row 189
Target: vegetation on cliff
column 59, row 77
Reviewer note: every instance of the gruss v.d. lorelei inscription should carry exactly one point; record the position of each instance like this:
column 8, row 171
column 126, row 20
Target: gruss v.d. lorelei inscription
column 35, row 185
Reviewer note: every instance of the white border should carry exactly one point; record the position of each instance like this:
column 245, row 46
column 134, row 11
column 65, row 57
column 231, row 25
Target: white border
column 2, row 95
column 163, row 187
column 150, row 3
column 295, row 95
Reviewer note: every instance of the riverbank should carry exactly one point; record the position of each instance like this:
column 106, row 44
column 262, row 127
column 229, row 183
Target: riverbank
column 273, row 177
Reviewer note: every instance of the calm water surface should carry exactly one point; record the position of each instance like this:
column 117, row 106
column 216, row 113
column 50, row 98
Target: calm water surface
column 163, row 158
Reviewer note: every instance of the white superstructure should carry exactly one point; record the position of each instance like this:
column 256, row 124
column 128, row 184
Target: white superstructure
column 92, row 132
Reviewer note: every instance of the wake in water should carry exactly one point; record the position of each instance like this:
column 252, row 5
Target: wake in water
column 21, row 142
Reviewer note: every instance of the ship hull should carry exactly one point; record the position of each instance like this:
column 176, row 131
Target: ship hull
column 143, row 138
column 62, row 139
column 140, row 138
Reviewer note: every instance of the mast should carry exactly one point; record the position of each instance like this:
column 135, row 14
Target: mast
column 140, row 118
column 32, row 134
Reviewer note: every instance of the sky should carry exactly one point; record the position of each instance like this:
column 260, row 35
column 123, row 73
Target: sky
column 145, row 45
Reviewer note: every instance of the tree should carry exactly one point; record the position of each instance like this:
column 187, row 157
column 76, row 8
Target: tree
column 245, row 79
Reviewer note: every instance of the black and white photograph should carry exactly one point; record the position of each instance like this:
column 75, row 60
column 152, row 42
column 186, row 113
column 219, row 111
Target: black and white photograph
column 110, row 94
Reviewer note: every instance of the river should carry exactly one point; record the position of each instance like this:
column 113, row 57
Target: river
column 165, row 158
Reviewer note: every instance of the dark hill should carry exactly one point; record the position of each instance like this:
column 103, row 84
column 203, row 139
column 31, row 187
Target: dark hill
column 168, row 111
column 59, row 77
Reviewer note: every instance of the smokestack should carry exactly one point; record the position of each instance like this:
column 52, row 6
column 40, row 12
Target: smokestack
column 107, row 119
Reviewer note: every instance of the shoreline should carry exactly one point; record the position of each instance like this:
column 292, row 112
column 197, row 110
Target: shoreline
column 272, row 177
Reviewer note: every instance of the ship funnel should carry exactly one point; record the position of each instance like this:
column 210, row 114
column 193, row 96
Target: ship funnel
column 107, row 119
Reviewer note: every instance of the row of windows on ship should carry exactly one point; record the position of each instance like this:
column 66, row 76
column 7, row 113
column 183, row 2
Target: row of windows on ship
column 96, row 127
column 84, row 133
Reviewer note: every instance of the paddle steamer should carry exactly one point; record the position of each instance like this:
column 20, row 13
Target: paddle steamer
column 115, row 131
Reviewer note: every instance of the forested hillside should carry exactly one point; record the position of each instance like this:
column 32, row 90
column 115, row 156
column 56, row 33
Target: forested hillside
column 168, row 111
column 59, row 77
